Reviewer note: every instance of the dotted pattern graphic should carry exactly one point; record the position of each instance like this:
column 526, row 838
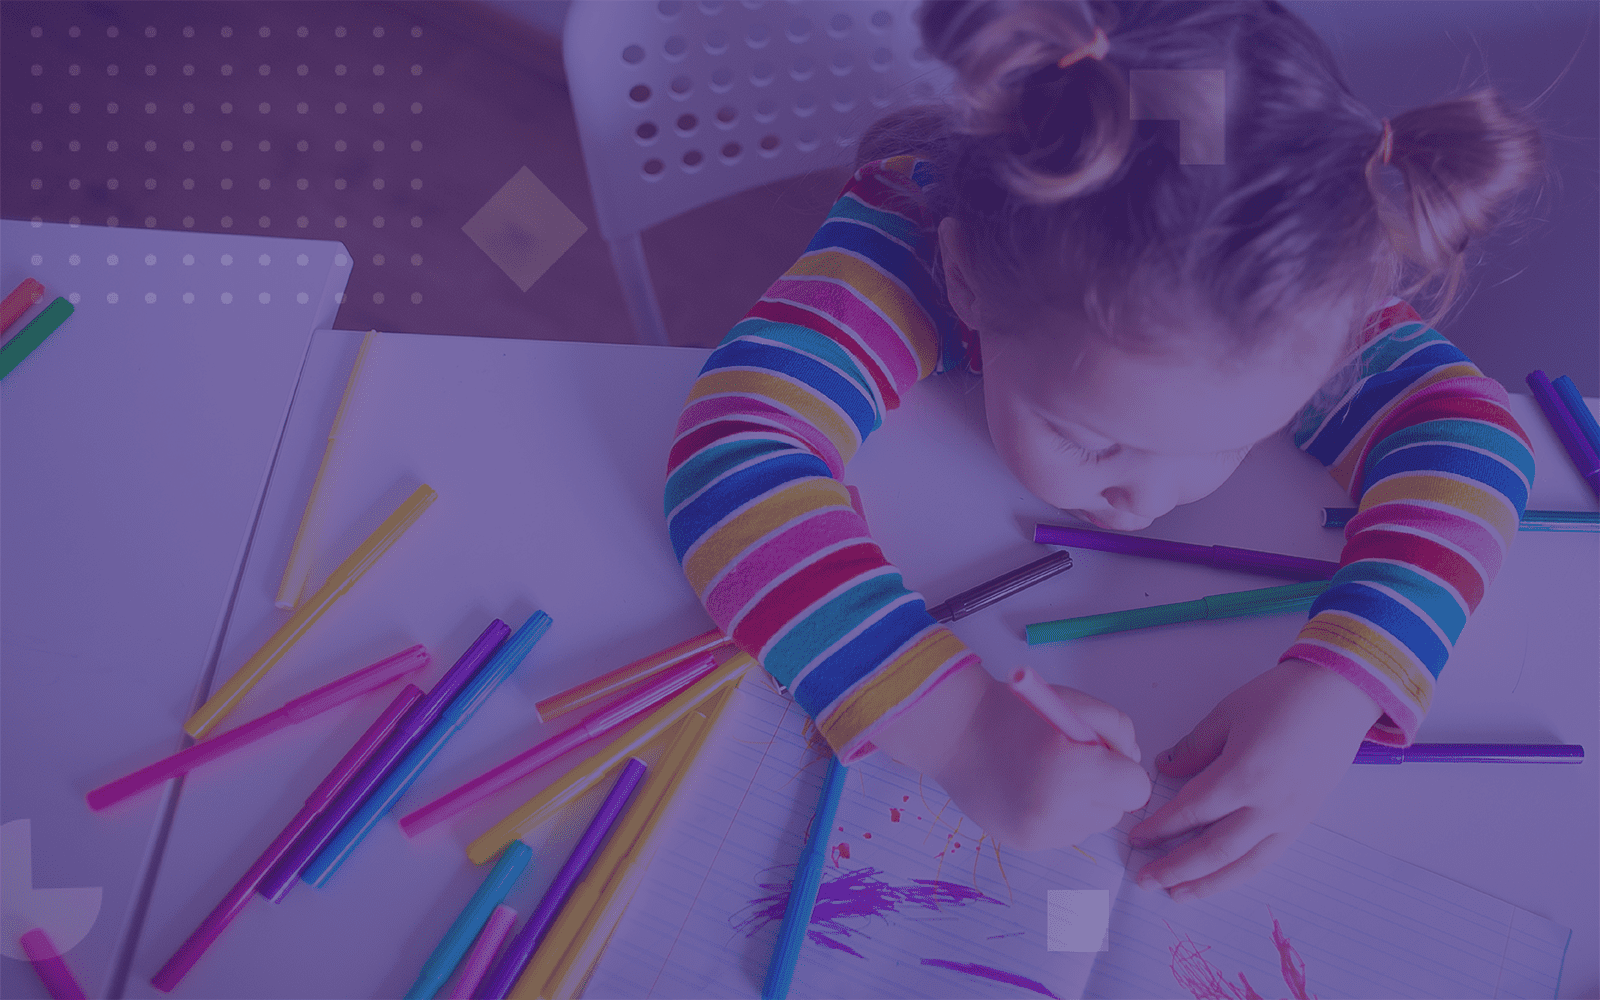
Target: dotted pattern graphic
column 116, row 277
column 302, row 120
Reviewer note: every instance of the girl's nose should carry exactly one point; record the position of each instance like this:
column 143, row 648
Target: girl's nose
column 1143, row 502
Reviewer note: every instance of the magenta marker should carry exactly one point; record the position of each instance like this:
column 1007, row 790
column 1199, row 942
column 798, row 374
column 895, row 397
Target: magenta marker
column 219, row 918
column 46, row 961
column 411, row 729
column 1220, row 556
column 476, row 964
column 595, row 725
column 306, row 706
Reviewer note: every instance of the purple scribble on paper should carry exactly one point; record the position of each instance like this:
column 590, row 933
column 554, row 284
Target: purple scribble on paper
column 973, row 969
column 857, row 894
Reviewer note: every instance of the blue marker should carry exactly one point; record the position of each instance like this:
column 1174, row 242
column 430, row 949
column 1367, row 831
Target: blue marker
column 1567, row 390
column 437, row 969
column 506, row 659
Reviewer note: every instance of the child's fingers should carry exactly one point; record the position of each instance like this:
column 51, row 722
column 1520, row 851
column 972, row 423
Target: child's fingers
column 1110, row 723
column 1133, row 789
column 1231, row 858
column 1197, row 804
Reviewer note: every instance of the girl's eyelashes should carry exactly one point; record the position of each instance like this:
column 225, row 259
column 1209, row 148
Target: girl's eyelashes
column 1083, row 454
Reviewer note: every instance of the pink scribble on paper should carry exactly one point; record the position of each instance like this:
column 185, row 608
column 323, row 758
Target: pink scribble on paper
column 1294, row 970
column 973, row 969
column 1204, row 981
column 858, row 897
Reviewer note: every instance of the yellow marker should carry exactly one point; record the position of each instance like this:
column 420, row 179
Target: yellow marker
column 340, row 580
column 575, row 782
column 576, row 938
column 299, row 569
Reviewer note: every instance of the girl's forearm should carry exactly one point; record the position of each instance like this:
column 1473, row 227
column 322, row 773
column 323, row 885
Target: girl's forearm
column 928, row 734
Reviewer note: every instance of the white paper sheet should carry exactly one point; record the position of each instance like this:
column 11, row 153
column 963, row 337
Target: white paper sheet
column 916, row 902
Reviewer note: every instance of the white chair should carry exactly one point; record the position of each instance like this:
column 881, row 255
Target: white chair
column 680, row 104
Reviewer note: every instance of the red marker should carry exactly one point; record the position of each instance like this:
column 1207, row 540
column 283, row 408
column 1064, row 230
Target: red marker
column 19, row 301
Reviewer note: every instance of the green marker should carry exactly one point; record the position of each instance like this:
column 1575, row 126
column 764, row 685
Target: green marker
column 1266, row 601
column 1532, row 520
column 33, row 335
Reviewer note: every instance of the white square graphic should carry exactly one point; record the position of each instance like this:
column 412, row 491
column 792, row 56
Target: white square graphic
column 1077, row 919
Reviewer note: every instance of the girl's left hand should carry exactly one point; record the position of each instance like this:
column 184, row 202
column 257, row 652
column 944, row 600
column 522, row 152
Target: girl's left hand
column 1267, row 757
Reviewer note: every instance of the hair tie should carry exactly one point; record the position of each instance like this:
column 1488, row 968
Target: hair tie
column 1387, row 145
column 1094, row 49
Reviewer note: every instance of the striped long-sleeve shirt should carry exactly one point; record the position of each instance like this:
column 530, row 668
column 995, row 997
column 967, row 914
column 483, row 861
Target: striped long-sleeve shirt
column 772, row 543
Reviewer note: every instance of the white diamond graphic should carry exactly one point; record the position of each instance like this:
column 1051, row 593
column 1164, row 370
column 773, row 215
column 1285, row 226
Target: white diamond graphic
column 524, row 228
column 64, row 914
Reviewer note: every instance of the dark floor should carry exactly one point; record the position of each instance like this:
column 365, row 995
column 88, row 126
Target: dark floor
column 265, row 118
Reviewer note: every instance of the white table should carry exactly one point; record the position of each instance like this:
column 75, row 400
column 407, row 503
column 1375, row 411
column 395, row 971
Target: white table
column 549, row 461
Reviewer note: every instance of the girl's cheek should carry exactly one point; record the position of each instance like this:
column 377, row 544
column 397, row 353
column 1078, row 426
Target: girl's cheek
column 1205, row 481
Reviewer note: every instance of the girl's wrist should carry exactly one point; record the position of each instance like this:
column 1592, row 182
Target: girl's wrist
column 1342, row 694
column 928, row 735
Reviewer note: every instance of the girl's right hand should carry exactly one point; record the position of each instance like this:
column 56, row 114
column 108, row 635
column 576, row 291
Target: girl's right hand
column 1028, row 786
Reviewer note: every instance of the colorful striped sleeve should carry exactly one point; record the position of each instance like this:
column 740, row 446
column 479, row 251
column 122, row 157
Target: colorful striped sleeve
column 756, row 508
column 1426, row 445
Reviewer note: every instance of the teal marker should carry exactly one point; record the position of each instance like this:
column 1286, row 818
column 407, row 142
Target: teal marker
column 1266, row 601
column 1532, row 520
column 32, row 335
column 437, row 969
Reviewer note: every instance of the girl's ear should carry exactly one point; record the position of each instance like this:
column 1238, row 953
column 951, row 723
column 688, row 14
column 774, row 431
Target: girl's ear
column 962, row 297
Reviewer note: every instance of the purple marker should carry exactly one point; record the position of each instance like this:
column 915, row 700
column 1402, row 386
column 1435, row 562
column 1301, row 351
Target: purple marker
column 219, row 918
column 1471, row 753
column 1566, row 427
column 411, row 729
column 1221, row 556
column 515, row 958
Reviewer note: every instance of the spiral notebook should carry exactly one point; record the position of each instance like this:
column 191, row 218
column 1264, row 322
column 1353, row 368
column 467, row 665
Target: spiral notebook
column 915, row 902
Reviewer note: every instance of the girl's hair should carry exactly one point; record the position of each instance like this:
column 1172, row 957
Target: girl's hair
column 1068, row 206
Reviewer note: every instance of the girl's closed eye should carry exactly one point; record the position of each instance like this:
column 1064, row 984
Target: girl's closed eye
column 1083, row 454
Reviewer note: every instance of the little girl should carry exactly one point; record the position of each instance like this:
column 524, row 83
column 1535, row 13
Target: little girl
column 1153, row 298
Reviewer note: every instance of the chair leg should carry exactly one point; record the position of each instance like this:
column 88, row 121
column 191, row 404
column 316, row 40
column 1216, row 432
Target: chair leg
column 627, row 256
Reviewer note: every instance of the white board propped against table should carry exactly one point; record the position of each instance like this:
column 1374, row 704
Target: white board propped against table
column 137, row 444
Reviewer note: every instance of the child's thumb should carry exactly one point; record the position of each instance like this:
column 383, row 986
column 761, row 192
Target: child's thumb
column 1197, row 749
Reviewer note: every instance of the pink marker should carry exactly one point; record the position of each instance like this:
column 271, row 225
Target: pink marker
column 483, row 952
column 46, row 961
column 328, row 696
column 222, row 915
column 1048, row 704
column 486, row 784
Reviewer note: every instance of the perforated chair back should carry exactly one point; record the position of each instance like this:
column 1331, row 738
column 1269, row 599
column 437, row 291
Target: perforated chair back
column 682, row 104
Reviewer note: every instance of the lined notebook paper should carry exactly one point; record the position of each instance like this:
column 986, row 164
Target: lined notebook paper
column 915, row 902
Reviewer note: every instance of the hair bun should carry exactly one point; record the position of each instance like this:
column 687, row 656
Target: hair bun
column 1034, row 81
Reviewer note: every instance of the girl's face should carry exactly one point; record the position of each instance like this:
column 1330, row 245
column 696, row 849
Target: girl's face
column 1120, row 440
